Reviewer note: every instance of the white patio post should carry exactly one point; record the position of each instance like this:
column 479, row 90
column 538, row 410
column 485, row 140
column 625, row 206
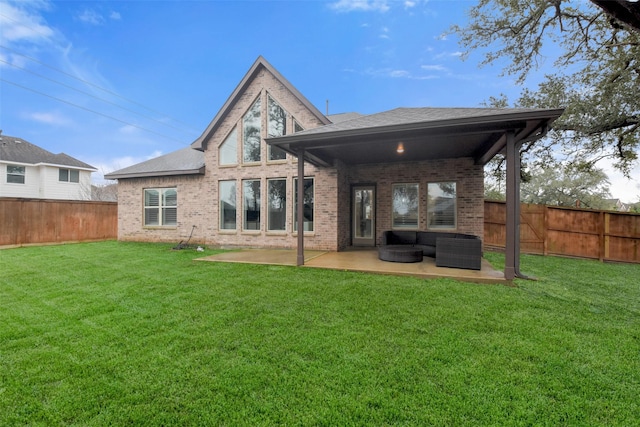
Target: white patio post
column 300, row 213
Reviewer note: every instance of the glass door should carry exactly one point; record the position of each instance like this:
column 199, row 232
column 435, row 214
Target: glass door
column 363, row 200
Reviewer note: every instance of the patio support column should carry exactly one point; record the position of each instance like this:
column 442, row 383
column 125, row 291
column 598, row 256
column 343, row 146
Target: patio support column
column 300, row 205
column 512, row 244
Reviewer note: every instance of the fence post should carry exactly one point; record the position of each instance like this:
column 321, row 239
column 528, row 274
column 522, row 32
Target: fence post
column 604, row 235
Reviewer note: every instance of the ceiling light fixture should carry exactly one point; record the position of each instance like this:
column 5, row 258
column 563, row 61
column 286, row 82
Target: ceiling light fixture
column 400, row 148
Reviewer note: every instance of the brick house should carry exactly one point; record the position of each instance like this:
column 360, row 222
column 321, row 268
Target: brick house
column 408, row 168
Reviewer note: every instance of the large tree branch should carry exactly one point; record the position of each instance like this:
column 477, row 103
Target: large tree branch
column 599, row 127
column 624, row 11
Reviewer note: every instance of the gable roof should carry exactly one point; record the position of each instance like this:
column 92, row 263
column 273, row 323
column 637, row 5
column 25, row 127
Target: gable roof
column 185, row 161
column 201, row 142
column 18, row 150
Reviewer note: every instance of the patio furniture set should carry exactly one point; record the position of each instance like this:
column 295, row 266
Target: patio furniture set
column 449, row 249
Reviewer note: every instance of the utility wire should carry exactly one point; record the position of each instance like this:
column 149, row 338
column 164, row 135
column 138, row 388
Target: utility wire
column 90, row 110
column 93, row 96
column 15, row 52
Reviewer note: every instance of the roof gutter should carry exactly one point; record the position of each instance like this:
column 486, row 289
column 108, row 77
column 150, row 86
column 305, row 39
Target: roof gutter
column 199, row 171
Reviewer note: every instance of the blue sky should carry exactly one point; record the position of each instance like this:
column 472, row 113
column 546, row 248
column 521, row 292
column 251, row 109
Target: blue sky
column 115, row 83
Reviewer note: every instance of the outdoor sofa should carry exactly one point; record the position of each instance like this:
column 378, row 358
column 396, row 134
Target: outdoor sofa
column 449, row 249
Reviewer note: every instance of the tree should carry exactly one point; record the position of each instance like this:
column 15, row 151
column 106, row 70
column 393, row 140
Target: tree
column 596, row 77
column 567, row 187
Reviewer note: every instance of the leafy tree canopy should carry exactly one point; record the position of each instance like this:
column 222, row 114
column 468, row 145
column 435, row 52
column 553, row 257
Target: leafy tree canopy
column 595, row 77
column 567, row 187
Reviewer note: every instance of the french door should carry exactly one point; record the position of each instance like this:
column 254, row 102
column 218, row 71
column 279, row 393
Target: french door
column 363, row 222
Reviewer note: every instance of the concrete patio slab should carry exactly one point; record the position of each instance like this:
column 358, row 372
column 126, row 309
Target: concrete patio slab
column 362, row 260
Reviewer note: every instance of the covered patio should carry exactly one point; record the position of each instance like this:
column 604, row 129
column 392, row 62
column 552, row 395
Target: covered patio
column 404, row 137
column 363, row 260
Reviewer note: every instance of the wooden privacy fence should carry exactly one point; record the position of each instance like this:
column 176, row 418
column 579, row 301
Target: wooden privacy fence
column 554, row 230
column 29, row 221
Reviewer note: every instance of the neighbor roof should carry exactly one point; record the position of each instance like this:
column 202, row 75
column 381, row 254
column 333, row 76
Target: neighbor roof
column 18, row 150
column 425, row 133
column 185, row 161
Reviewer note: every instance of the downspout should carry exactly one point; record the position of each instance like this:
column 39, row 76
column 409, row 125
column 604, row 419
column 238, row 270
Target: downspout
column 300, row 204
column 512, row 244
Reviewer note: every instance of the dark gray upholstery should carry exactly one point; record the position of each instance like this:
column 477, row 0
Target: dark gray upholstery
column 449, row 249
column 459, row 252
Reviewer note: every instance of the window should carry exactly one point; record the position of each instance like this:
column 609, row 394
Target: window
column 276, row 126
column 251, row 204
column 15, row 174
column 297, row 127
column 68, row 175
column 277, row 203
column 441, row 205
column 228, row 152
column 308, row 202
column 406, row 203
column 160, row 207
column 227, row 205
column 251, row 134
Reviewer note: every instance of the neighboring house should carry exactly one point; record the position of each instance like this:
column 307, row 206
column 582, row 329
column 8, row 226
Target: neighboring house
column 408, row 168
column 617, row 205
column 29, row 171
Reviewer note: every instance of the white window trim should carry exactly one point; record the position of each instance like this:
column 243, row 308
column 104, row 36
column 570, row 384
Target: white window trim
column 160, row 208
column 23, row 174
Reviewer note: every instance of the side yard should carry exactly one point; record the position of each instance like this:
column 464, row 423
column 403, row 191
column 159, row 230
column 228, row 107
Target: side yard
column 112, row 333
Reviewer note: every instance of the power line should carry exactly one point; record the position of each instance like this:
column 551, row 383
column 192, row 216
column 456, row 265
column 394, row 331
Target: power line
column 89, row 110
column 92, row 96
column 94, row 85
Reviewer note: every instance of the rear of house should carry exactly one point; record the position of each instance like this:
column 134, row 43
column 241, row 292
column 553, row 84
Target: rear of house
column 406, row 169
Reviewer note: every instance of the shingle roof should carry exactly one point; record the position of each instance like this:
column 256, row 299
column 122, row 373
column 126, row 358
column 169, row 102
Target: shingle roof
column 341, row 117
column 425, row 133
column 14, row 149
column 186, row 161
column 402, row 116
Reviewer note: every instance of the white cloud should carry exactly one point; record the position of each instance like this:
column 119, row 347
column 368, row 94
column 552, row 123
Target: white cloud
column 436, row 67
column 91, row 17
column 456, row 54
column 408, row 4
column 399, row 73
column 360, row 6
column 115, row 16
column 21, row 22
column 52, row 118
column 129, row 130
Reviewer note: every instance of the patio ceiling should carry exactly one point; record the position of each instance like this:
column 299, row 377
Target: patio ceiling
column 425, row 134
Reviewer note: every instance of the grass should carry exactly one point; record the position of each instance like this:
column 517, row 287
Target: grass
column 136, row 334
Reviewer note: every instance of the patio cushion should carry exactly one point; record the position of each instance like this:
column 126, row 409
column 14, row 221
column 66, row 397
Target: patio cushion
column 399, row 237
column 427, row 250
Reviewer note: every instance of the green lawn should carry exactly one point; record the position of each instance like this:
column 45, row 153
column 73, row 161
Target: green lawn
column 137, row 334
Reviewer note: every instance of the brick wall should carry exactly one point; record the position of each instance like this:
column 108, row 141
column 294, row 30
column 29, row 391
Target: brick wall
column 469, row 179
